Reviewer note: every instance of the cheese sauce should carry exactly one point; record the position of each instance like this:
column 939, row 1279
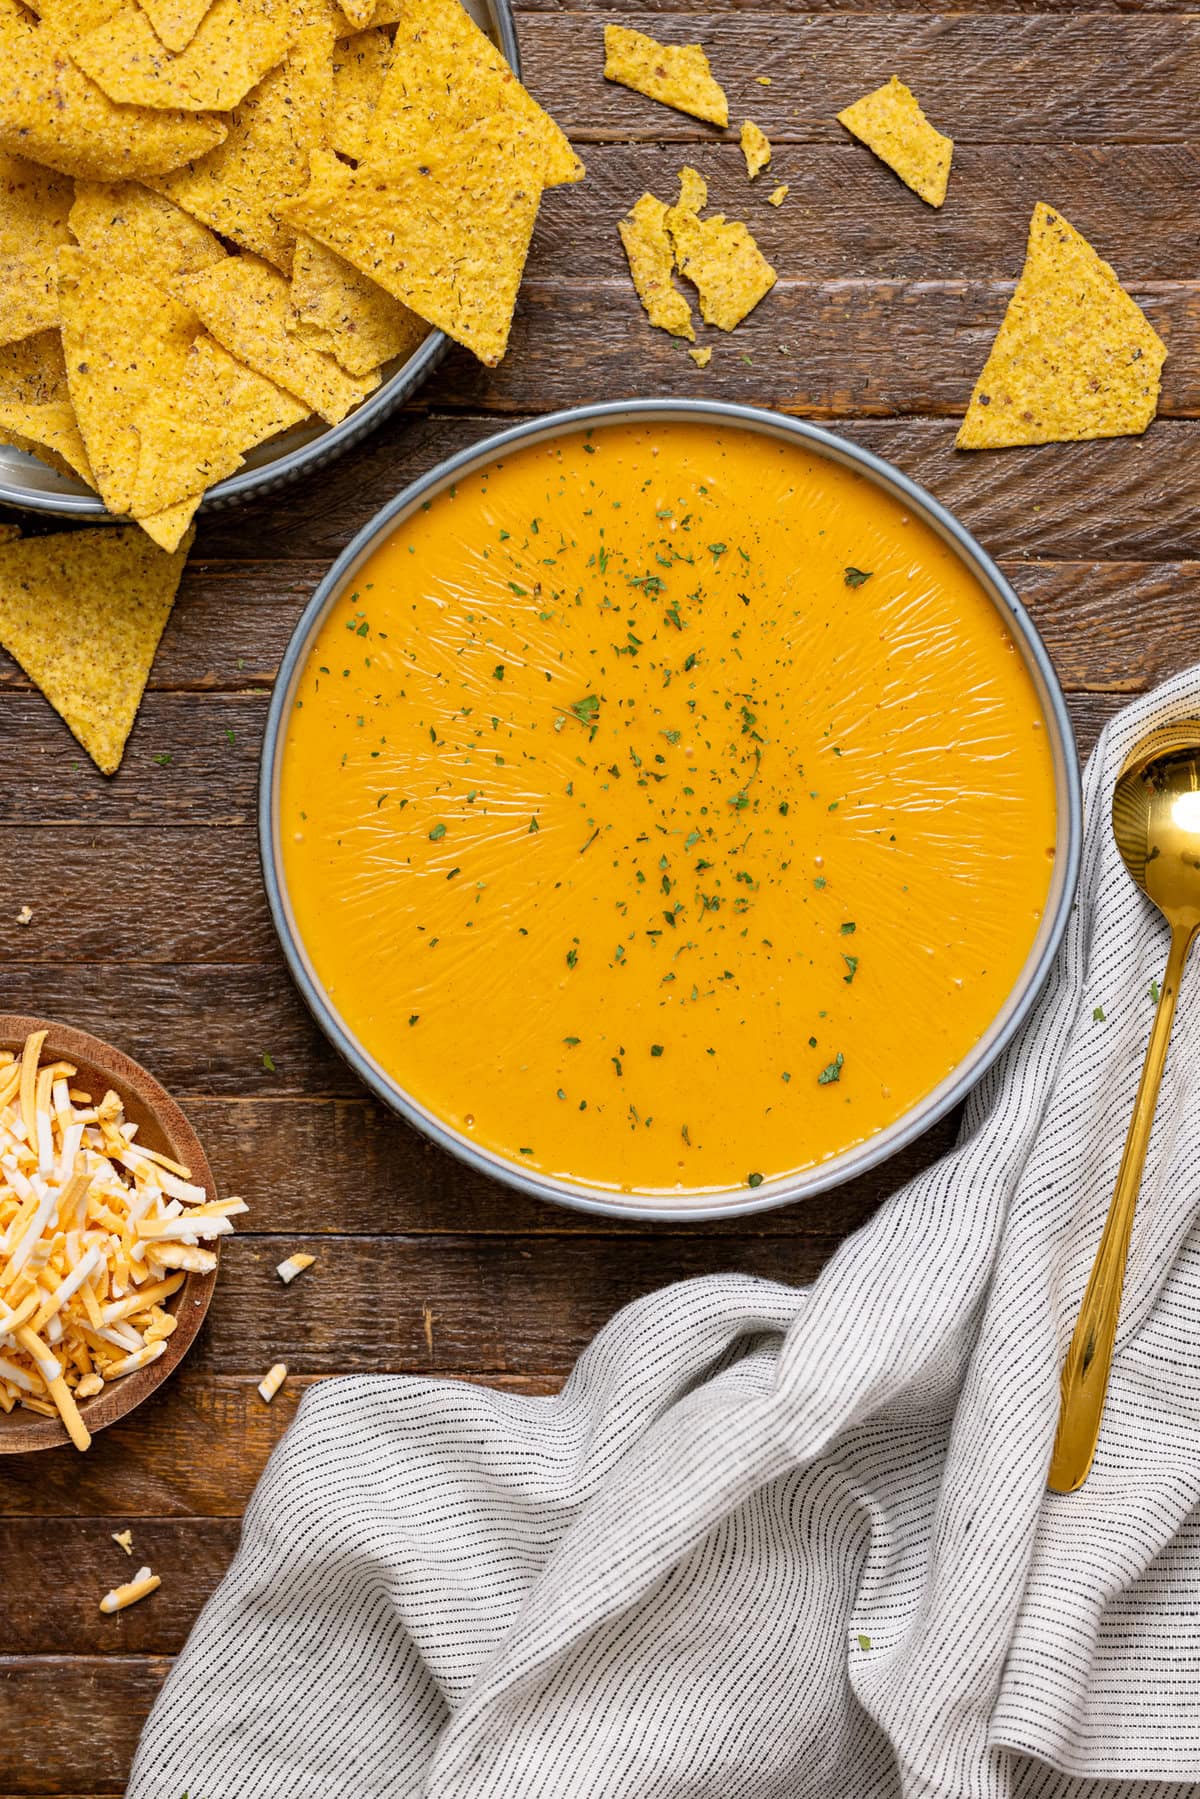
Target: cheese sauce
column 666, row 809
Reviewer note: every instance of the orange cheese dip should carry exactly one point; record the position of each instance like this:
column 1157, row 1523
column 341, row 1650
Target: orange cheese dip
column 666, row 809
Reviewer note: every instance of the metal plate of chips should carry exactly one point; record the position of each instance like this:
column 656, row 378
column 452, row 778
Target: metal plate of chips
column 29, row 483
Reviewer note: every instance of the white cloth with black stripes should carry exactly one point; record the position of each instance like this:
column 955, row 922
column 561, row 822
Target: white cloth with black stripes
column 772, row 1543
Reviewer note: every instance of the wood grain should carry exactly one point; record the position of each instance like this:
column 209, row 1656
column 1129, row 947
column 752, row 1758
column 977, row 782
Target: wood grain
column 70, row 1724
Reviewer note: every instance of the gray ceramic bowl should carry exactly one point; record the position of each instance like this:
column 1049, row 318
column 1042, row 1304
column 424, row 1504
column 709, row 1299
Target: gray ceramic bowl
column 739, row 1201
column 26, row 482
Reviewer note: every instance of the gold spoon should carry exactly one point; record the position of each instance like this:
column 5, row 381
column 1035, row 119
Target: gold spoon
column 1156, row 822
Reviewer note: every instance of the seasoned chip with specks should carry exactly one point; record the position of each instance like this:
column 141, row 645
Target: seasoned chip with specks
column 176, row 22
column 359, row 66
column 756, row 148
column 1074, row 358
column 718, row 256
column 49, row 430
column 33, row 371
column 235, row 45
column 891, row 123
column 651, row 263
column 676, row 74
column 34, row 203
column 137, row 229
column 348, row 314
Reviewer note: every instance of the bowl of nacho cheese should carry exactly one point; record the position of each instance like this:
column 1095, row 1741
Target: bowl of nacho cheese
column 222, row 204
column 668, row 808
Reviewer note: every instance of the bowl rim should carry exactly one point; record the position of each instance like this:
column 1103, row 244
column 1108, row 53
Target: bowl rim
column 266, row 477
column 130, row 1080
column 860, row 1158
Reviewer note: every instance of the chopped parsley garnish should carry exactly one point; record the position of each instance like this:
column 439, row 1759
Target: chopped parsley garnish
column 852, row 964
column 854, row 577
column 586, row 710
column 832, row 1071
column 754, row 1180
column 848, row 929
column 1098, row 1015
column 268, row 1062
column 656, row 1049
column 438, row 832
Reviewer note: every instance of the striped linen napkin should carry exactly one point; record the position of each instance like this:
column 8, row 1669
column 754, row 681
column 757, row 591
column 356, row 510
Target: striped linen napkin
column 770, row 1543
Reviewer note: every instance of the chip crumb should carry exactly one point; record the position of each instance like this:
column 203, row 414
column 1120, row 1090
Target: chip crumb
column 288, row 1270
column 718, row 256
column 25, row 915
column 763, row 80
column 271, row 1381
column 142, row 1583
column 701, row 358
column 125, row 1539
column 651, row 261
column 756, row 148
column 778, row 195
column 676, row 74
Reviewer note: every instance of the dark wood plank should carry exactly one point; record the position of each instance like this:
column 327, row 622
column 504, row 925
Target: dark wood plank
column 895, row 8
column 1077, row 77
column 70, row 1724
column 195, row 1448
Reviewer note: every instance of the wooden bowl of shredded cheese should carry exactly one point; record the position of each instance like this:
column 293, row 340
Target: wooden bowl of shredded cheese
column 110, row 1230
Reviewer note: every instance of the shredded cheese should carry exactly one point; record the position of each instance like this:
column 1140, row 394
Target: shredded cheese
column 125, row 1539
column 142, row 1583
column 294, row 1265
column 97, row 1234
column 271, row 1381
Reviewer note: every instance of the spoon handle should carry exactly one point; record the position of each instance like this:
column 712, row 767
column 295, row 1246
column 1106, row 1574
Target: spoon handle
column 1089, row 1358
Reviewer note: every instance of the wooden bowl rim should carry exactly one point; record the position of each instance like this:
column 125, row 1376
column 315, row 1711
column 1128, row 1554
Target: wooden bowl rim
column 22, row 1431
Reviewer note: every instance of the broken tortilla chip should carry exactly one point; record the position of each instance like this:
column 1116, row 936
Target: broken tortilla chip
column 125, row 343
column 1074, row 357
column 676, row 74
column 351, row 316
column 445, row 229
column 718, row 256
column 235, row 45
column 360, row 13
column 51, row 113
column 778, row 195
column 34, row 204
column 755, row 148
column 359, row 67
column 221, row 409
column 244, row 302
column 134, row 228
column 175, row 22
column 82, row 612
column 446, row 77
column 651, row 263
column 237, row 188
column 701, row 358
column 891, row 123
column 48, row 430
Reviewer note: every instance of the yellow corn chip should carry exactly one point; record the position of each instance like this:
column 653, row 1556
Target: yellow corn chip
column 359, row 66
column 82, row 612
column 34, row 204
column 755, row 148
column 360, row 13
column 167, row 529
column 175, row 22
column 133, row 228
column 221, row 409
column 701, row 358
column 446, row 229
column 48, row 430
column 778, row 195
column 237, row 188
column 9, row 533
column 125, row 342
column 51, row 113
column 235, row 45
column 676, row 74
column 70, row 19
column 446, row 77
column 356, row 320
column 718, row 256
column 1074, row 357
column 245, row 304
column 890, row 122
column 33, row 371
column 651, row 263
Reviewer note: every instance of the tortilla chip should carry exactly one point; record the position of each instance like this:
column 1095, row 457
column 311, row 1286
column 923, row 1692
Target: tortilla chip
column 48, row 430
column 70, row 19
column 778, row 195
column 1074, row 358
column 34, row 204
column 126, row 342
column 445, row 229
column 718, row 256
column 264, row 160
column 360, row 13
column 755, row 148
column 134, row 228
column 175, row 22
column 245, row 304
column 446, row 77
column 890, row 122
column 651, row 263
column 221, row 409
column 33, row 371
column 51, row 113
column 359, row 66
column 82, row 612
column 359, row 324
column 9, row 533
column 701, row 358
column 676, row 74
column 235, row 45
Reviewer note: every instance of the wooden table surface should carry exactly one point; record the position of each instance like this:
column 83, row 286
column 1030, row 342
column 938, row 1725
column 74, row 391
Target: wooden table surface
column 149, row 922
